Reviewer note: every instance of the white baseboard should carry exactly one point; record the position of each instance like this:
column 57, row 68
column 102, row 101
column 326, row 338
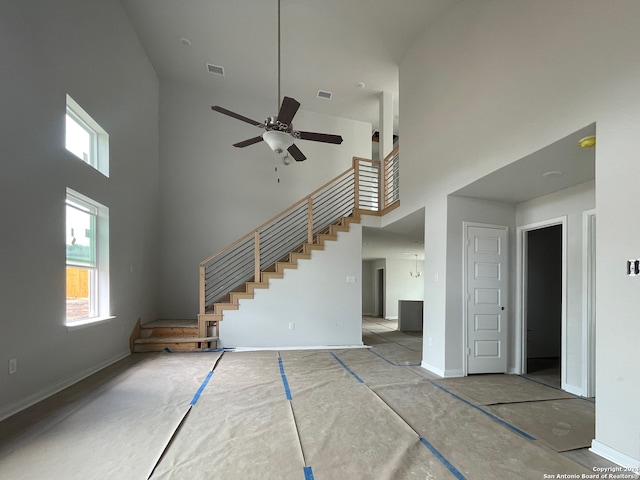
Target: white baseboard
column 615, row 456
column 9, row 410
column 304, row 347
column 573, row 390
column 442, row 373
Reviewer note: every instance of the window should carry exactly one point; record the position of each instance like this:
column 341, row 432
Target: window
column 87, row 240
column 85, row 138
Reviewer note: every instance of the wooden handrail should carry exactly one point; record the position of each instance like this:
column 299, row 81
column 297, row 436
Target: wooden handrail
column 282, row 213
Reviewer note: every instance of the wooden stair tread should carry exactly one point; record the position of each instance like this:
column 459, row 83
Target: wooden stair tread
column 175, row 340
column 171, row 323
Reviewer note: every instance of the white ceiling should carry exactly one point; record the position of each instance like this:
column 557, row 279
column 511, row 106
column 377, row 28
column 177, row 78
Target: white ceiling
column 326, row 45
column 565, row 163
column 330, row 45
column 517, row 182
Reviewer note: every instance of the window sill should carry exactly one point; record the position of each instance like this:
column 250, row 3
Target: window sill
column 87, row 322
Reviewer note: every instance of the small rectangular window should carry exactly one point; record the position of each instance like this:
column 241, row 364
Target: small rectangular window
column 87, row 235
column 85, row 138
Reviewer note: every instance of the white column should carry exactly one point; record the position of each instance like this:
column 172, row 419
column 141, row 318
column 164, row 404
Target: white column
column 386, row 124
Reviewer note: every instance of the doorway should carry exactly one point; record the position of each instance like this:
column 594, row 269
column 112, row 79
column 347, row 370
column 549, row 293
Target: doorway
column 544, row 303
column 380, row 292
column 543, row 290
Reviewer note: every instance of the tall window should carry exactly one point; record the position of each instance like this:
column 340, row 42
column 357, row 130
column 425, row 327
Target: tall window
column 85, row 138
column 87, row 233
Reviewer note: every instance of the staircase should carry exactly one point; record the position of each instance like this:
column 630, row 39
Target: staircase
column 369, row 187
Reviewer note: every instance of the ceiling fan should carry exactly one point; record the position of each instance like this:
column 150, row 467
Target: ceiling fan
column 279, row 134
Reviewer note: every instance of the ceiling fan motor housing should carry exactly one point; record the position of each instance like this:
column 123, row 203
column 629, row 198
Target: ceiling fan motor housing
column 272, row 123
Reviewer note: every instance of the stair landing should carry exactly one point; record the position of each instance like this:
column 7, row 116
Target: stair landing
column 176, row 335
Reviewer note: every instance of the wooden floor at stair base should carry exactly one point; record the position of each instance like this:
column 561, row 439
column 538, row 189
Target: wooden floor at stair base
column 241, row 426
column 119, row 433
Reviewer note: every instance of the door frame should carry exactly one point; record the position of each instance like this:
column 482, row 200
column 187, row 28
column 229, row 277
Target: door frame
column 380, row 291
column 521, row 296
column 465, row 310
column 589, row 248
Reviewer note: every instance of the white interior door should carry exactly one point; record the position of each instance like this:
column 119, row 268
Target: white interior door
column 487, row 297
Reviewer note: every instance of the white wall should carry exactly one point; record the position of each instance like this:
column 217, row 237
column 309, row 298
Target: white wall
column 495, row 80
column 214, row 193
column 368, row 288
column 570, row 202
column 400, row 285
column 460, row 210
column 325, row 308
column 49, row 48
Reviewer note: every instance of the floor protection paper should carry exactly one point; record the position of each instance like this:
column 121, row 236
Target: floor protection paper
column 496, row 389
column 472, row 441
column 241, row 427
column 560, row 424
column 122, row 432
column 346, row 431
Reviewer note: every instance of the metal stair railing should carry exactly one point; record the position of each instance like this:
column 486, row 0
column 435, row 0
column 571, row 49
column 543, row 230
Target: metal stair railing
column 361, row 188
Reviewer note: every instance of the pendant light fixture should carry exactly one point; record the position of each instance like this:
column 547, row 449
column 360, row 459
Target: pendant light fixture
column 417, row 273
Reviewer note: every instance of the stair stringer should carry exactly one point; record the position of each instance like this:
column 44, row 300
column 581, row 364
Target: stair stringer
column 319, row 303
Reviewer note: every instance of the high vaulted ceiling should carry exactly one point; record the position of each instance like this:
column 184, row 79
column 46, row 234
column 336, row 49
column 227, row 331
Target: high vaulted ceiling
column 326, row 45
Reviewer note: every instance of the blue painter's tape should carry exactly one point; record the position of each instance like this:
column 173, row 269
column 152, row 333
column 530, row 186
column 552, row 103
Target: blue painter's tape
column 383, row 358
column 195, row 398
column 308, row 473
column 347, row 368
column 284, row 379
column 443, row 460
column 488, row 414
column 394, row 363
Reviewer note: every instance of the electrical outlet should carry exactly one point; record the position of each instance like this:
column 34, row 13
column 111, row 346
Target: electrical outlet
column 13, row 366
column 292, row 326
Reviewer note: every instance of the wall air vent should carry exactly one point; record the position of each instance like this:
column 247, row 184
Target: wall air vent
column 215, row 69
column 324, row 94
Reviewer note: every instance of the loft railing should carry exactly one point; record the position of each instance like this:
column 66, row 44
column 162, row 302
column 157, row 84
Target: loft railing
column 369, row 187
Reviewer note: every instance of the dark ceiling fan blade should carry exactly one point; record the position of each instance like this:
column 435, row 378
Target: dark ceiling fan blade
column 248, row 142
column 320, row 137
column 288, row 110
column 295, row 152
column 236, row 115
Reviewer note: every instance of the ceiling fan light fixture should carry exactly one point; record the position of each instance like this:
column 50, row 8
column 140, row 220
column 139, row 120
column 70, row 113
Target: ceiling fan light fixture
column 277, row 141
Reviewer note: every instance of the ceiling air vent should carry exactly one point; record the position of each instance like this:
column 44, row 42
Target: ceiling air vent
column 216, row 69
column 324, row 94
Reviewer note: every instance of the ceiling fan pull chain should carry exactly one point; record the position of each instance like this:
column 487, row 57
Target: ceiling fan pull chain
column 275, row 166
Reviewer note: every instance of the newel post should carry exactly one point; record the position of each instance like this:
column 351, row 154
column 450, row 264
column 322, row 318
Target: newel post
column 202, row 301
column 256, row 255
column 310, row 220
